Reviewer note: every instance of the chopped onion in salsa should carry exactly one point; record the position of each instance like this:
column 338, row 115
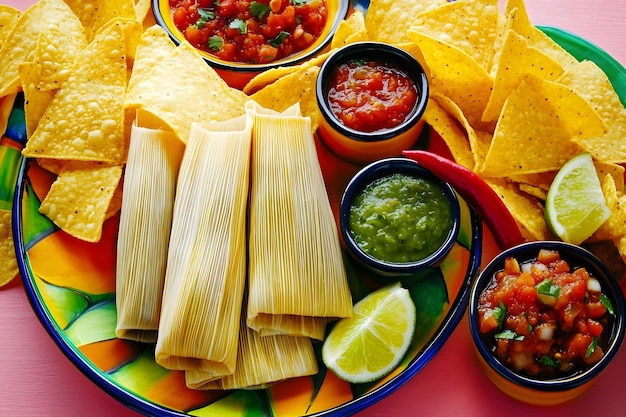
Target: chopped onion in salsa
column 254, row 32
column 543, row 318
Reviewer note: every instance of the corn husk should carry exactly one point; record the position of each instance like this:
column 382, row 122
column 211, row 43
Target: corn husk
column 261, row 361
column 206, row 267
column 297, row 279
column 154, row 158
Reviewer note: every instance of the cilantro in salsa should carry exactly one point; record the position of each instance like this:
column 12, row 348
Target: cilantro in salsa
column 254, row 32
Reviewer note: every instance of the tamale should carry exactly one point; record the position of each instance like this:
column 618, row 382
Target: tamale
column 154, row 158
column 297, row 279
column 261, row 361
column 206, row 265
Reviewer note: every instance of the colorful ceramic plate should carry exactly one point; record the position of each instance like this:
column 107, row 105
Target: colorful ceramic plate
column 71, row 286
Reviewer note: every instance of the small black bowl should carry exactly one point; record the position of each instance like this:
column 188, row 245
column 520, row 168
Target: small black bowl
column 360, row 146
column 384, row 168
column 538, row 391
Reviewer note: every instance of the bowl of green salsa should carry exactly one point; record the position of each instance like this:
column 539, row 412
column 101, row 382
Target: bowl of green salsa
column 398, row 218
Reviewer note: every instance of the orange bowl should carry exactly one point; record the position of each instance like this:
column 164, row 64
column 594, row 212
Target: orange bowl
column 237, row 74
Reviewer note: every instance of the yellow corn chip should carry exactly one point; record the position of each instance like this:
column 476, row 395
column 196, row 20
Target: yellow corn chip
column 451, row 132
column 350, row 30
column 389, row 20
column 592, row 84
column 154, row 46
column 85, row 120
column 615, row 226
column 267, row 77
column 8, row 19
column 8, row 263
column 517, row 58
column 142, row 9
column 520, row 23
column 95, row 14
column 456, row 75
column 282, row 94
column 196, row 94
column 536, row 129
column 468, row 25
column 21, row 44
column 79, row 199
column 526, row 210
column 36, row 101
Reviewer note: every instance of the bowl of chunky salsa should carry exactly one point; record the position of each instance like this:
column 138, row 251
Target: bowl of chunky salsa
column 372, row 97
column 241, row 38
column 397, row 218
column 546, row 318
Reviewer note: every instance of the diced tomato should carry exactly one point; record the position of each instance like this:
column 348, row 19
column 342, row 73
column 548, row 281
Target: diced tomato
column 569, row 331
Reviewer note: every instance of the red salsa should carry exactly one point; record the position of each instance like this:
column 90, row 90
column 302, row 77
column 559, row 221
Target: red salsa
column 250, row 31
column 368, row 96
column 543, row 318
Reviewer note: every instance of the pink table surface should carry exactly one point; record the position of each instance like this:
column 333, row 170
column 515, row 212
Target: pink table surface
column 36, row 379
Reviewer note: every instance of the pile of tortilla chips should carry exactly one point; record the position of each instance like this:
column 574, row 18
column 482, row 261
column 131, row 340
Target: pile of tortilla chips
column 85, row 68
column 509, row 102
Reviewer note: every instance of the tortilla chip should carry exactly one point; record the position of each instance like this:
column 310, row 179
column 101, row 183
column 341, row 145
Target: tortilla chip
column 536, row 129
column 456, row 75
column 478, row 147
column 133, row 31
column 451, row 132
column 8, row 262
column 79, row 198
column 55, row 54
column 592, row 84
column 8, row 19
column 267, row 77
column 468, row 25
column 36, row 101
column 526, row 210
column 520, row 23
column 389, row 20
column 85, row 120
column 154, row 46
column 178, row 101
column 282, row 94
column 517, row 59
column 142, row 9
column 53, row 16
column 95, row 14
column 615, row 226
column 350, row 30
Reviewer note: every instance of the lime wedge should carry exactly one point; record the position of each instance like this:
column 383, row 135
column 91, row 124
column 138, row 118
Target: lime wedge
column 371, row 343
column 575, row 206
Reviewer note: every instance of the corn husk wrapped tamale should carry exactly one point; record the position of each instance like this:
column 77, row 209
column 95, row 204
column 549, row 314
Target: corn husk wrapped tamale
column 206, row 267
column 297, row 279
column 154, row 158
column 261, row 361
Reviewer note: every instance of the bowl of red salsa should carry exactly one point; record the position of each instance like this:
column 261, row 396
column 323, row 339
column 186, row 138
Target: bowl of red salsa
column 546, row 318
column 241, row 38
column 372, row 97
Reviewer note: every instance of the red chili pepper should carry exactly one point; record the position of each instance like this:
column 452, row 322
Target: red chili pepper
column 477, row 193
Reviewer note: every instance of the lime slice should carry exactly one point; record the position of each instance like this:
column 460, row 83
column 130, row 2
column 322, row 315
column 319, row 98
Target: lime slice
column 575, row 205
column 371, row 343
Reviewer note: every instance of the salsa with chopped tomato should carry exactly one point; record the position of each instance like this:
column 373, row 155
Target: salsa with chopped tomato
column 254, row 32
column 368, row 96
column 544, row 319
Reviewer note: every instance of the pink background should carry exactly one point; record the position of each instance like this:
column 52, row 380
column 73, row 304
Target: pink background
column 37, row 380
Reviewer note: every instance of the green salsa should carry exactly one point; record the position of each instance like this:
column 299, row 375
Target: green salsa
column 400, row 218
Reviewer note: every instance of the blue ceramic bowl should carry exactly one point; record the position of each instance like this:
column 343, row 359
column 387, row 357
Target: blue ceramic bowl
column 547, row 391
column 366, row 147
column 367, row 175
